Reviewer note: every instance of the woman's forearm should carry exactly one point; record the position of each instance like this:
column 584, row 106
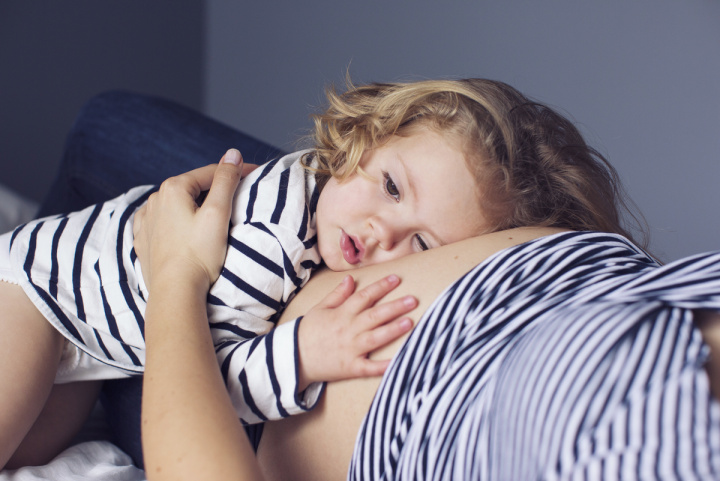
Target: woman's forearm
column 189, row 427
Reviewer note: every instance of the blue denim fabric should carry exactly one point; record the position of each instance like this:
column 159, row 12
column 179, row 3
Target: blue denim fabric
column 121, row 140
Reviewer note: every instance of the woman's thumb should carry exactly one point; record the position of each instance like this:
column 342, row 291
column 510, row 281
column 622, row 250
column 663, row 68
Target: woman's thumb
column 232, row 156
column 225, row 181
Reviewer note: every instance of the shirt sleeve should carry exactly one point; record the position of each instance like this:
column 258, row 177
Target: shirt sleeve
column 271, row 254
column 258, row 360
column 262, row 375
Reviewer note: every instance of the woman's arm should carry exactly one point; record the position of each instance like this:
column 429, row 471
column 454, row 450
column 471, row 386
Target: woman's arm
column 189, row 426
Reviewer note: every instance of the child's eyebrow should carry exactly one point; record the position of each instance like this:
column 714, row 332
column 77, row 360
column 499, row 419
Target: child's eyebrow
column 410, row 176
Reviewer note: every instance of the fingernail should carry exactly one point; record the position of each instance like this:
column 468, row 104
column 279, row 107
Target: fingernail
column 393, row 279
column 409, row 301
column 232, row 156
column 405, row 323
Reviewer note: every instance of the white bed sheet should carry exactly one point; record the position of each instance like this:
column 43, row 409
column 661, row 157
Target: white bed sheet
column 93, row 458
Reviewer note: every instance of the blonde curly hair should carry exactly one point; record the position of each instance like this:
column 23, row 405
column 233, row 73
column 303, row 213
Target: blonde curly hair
column 531, row 165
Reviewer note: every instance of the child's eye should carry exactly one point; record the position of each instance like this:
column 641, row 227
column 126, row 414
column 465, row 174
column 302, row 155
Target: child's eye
column 421, row 243
column 390, row 187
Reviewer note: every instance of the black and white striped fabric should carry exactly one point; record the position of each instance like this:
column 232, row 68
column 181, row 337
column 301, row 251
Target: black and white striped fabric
column 81, row 271
column 570, row 357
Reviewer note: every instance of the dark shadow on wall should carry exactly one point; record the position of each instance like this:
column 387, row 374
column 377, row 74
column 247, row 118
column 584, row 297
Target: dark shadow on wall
column 55, row 55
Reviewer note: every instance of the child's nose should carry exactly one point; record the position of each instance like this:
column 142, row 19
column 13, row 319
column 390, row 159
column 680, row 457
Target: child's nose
column 383, row 232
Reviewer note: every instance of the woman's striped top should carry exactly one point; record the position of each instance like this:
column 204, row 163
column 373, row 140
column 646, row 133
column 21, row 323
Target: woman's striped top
column 82, row 273
column 570, row 357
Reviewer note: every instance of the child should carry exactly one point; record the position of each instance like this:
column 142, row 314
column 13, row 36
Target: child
column 391, row 164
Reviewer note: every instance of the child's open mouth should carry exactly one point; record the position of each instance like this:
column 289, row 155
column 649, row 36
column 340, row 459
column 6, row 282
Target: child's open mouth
column 351, row 248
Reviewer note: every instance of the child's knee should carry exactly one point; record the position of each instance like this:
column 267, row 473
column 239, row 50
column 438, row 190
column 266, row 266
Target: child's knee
column 22, row 324
column 66, row 410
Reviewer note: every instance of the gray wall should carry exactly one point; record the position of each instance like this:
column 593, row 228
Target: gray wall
column 54, row 55
column 642, row 78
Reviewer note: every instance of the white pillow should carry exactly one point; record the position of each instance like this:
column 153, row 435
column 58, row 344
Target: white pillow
column 14, row 209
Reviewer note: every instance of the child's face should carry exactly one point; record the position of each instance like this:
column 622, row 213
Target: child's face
column 421, row 195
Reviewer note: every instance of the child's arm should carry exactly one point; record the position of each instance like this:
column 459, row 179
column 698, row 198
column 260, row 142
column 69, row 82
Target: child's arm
column 337, row 335
column 270, row 255
column 281, row 373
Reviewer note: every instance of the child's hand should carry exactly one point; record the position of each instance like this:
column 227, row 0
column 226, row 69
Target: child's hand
column 336, row 336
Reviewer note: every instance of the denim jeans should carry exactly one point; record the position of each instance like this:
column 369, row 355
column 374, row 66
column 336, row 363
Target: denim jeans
column 121, row 140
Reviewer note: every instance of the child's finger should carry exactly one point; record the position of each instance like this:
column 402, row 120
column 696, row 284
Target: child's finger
column 382, row 335
column 340, row 294
column 386, row 312
column 369, row 295
column 370, row 368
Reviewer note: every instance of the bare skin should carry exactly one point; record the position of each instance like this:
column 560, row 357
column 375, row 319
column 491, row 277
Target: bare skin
column 709, row 324
column 62, row 417
column 189, row 427
column 318, row 445
column 28, row 344
column 39, row 418
column 313, row 446
column 183, row 390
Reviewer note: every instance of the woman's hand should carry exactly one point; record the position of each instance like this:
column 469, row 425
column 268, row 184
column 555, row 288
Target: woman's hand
column 174, row 237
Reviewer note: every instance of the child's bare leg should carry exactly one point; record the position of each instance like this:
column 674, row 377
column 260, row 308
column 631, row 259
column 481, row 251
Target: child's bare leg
column 709, row 324
column 30, row 350
column 65, row 412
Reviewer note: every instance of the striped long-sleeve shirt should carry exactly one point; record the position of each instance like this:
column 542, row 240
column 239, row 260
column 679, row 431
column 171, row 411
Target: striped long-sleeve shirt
column 570, row 357
column 82, row 273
